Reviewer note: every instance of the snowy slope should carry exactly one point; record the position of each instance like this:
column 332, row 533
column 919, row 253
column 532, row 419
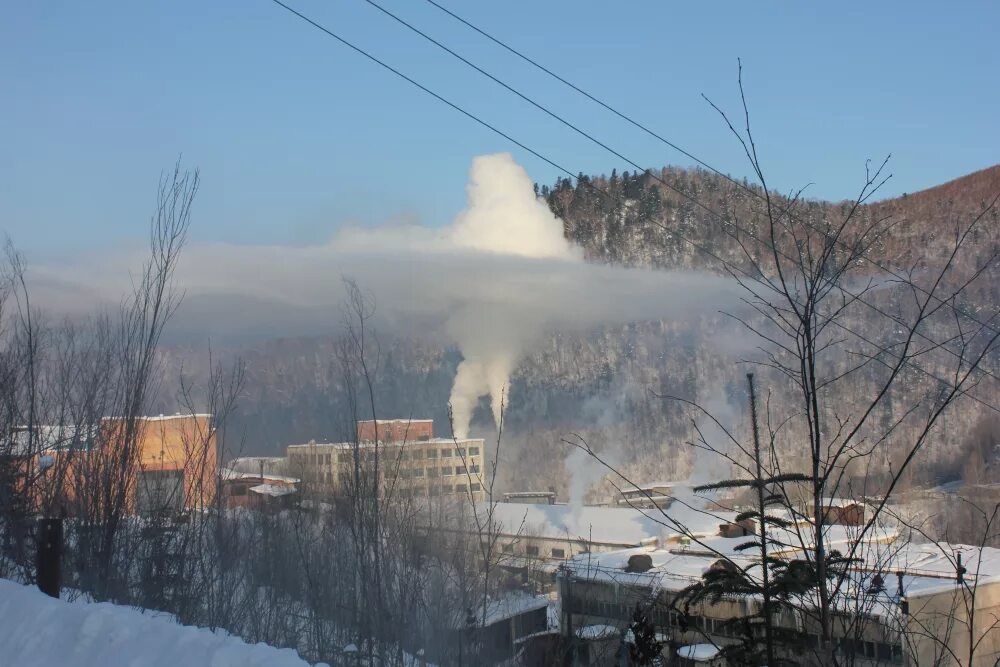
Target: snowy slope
column 39, row 631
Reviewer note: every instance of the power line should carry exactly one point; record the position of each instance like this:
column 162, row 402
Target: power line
column 672, row 187
column 570, row 174
column 427, row 90
column 583, row 92
column 696, row 159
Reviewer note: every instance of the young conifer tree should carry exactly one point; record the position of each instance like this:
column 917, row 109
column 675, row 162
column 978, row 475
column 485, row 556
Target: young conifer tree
column 776, row 581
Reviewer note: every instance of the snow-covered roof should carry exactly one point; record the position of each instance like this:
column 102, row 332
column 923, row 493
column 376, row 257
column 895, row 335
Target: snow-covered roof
column 598, row 631
column 698, row 652
column 275, row 491
column 928, row 569
column 50, row 437
column 606, row 525
column 671, row 570
column 828, row 501
column 513, row 605
column 396, row 421
column 229, row 473
column 623, row 526
column 178, row 415
column 499, row 609
column 366, row 444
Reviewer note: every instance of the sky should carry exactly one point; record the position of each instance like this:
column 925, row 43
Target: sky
column 295, row 135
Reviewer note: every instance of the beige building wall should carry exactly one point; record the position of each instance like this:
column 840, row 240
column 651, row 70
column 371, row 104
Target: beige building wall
column 944, row 617
column 438, row 467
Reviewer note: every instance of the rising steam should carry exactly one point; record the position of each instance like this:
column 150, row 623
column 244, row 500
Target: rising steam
column 502, row 216
column 495, row 282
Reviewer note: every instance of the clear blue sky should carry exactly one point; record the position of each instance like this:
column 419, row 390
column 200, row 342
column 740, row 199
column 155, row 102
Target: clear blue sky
column 295, row 134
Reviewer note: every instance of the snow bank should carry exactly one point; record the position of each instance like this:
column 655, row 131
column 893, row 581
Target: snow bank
column 39, row 631
column 698, row 652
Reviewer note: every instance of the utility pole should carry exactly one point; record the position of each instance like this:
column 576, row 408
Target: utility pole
column 762, row 528
column 50, row 547
column 567, row 609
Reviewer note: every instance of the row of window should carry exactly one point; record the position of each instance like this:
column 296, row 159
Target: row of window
column 369, row 454
column 872, row 650
column 443, row 471
column 533, row 551
column 661, row 616
column 439, row 489
column 346, row 479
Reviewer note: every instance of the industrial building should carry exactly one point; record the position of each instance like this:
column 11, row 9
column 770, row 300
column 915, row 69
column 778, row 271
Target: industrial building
column 901, row 603
column 164, row 464
column 407, row 452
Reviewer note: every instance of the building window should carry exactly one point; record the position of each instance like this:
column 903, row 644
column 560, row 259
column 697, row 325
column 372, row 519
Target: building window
column 160, row 491
column 445, row 453
column 473, row 451
column 433, row 472
column 461, row 488
column 475, row 486
column 531, row 550
column 558, row 553
column 474, row 468
column 417, row 472
column 460, row 451
column 432, row 453
column 508, row 548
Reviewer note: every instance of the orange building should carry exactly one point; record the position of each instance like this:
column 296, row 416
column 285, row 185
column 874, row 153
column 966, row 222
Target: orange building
column 396, row 430
column 175, row 464
column 178, row 462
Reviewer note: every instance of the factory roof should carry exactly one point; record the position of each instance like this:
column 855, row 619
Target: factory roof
column 927, row 568
column 414, row 441
column 612, row 525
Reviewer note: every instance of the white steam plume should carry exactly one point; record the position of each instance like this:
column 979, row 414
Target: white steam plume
column 494, row 282
column 502, row 216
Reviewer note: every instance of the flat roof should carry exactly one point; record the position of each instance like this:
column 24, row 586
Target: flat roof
column 159, row 418
column 522, row 494
column 230, row 474
column 609, row 525
column 431, row 441
column 928, row 569
column 396, row 421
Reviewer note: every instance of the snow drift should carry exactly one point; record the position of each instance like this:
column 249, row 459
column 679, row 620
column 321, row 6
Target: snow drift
column 39, row 631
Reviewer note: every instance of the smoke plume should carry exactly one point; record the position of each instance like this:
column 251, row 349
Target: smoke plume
column 494, row 282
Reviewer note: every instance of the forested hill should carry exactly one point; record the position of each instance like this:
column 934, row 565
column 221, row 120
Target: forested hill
column 676, row 217
column 602, row 385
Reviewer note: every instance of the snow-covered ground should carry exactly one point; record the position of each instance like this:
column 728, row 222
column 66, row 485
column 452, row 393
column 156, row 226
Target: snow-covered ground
column 39, row 631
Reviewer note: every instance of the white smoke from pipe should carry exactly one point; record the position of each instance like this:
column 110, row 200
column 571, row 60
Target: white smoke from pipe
column 712, row 466
column 495, row 282
column 584, row 471
column 502, row 215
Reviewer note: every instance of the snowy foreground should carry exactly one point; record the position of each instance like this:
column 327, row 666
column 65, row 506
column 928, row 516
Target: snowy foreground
column 39, row 631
